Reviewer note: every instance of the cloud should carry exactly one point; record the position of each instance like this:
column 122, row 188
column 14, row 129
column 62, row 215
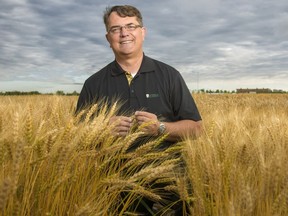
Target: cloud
column 223, row 41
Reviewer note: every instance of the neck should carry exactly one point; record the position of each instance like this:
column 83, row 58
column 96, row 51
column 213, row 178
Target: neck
column 130, row 64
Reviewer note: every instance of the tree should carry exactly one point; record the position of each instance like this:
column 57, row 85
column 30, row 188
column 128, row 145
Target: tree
column 60, row 92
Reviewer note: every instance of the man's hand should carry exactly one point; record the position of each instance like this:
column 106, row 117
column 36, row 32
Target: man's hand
column 121, row 125
column 148, row 122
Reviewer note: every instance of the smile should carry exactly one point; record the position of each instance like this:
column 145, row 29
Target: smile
column 126, row 42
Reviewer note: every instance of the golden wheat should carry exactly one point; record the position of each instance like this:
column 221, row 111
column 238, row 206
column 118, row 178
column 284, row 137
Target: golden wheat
column 54, row 162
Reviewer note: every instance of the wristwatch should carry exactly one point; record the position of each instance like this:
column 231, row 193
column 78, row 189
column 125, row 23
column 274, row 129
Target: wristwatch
column 161, row 128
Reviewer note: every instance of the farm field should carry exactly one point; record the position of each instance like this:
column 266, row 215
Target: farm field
column 55, row 163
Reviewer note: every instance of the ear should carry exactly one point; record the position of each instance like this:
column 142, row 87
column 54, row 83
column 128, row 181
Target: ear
column 144, row 31
column 108, row 39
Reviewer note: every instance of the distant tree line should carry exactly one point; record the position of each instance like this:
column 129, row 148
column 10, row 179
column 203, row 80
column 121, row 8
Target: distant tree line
column 63, row 93
column 20, row 93
column 74, row 93
column 217, row 91
column 220, row 91
column 259, row 90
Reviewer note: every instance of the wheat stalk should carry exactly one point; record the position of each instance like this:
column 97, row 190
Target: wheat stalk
column 91, row 112
column 29, row 126
column 85, row 210
column 4, row 193
column 146, row 193
column 2, row 150
column 63, row 155
column 9, row 149
column 1, row 123
column 149, row 173
column 129, row 140
column 280, row 205
column 135, row 162
column 16, row 164
column 16, row 128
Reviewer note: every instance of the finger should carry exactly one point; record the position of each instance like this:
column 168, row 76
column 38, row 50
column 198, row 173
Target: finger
column 148, row 122
column 122, row 133
column 127, row 124
column 141, row 119
column 120, row 120
column 145, row 116
column 142, row 113
column 123, row 129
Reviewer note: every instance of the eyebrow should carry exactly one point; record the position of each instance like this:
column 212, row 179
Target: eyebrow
column 122, row 25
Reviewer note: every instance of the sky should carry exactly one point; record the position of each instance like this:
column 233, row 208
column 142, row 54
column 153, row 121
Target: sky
column 51, row 45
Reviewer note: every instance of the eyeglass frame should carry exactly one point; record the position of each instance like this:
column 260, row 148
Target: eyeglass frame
column 118, row 29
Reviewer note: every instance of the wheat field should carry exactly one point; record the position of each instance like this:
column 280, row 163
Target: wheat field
column 55, row 163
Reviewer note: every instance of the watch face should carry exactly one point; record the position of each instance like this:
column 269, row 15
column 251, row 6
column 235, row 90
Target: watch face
column 162, row 128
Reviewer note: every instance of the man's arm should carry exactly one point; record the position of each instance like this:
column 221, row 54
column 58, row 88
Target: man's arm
column 176, row 130
column 183, row 129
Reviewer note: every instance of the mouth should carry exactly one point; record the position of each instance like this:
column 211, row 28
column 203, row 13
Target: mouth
column 125, row 42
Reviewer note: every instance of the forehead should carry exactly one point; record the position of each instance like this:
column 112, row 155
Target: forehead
column 115, row 19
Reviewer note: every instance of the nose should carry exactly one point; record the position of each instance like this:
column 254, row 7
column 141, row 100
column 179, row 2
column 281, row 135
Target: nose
column 123, row 31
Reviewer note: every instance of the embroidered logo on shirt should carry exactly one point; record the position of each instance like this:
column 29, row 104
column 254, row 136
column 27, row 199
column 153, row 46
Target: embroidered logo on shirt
column 152, row 95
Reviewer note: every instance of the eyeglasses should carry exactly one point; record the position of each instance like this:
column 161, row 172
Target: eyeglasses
column 118, row 29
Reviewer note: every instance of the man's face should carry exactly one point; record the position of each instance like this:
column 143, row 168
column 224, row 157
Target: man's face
column 128, row 41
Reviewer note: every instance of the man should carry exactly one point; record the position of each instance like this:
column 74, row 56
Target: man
column 151, row 91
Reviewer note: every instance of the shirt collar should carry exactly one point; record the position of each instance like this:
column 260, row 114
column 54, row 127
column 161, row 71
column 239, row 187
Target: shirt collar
column 147, row 65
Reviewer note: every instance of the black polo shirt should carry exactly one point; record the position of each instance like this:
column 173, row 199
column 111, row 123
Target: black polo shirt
column 157, row 88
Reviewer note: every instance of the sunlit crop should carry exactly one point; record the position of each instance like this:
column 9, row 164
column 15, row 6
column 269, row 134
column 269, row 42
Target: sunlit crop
column 56, row 163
